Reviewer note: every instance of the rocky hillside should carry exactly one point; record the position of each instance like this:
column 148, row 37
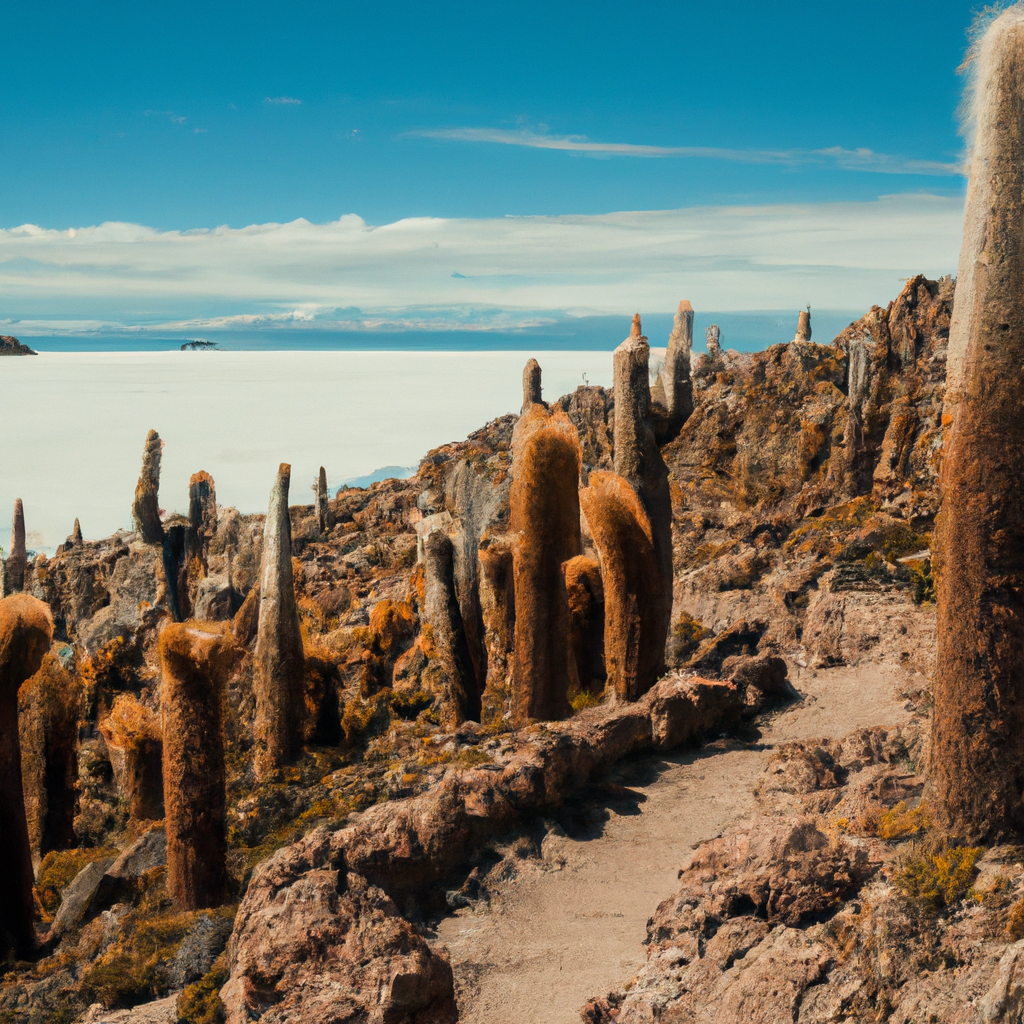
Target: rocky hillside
column 802, row 481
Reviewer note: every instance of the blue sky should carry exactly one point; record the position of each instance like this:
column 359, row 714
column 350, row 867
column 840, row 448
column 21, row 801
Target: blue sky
column 188, row 116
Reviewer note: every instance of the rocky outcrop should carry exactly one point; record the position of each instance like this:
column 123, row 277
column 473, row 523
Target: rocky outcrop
column 146, row 508
column 278, row 661
column 317, row 943
column 12, row 347
column 17, row 561
column 26, row 630
column 195, row 662
column 978, row 725
column 289, row 947
column 545, row 527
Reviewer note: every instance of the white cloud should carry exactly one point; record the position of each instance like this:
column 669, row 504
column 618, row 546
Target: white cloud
column 835, row 156
column 475, row 273
column 282, row 101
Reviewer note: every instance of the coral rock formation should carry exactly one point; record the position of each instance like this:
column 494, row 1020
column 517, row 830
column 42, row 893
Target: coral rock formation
column 26, row 630
column 195, row 661
column 278, row 661
column 545, row 526
column 146, row 508
column 977, row 757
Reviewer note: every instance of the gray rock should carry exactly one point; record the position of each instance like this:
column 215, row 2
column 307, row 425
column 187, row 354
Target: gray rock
column 198, row 950
column 213, row 599
column 147, row 852
column 77, row 897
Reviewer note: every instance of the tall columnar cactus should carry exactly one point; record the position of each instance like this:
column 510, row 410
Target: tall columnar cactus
column 26, row 630
column 146, row 508
column 322, row 507
column 977, row 751
column 17, row 561
column 442, row 614
column 676, row 375
column 278, row 661
column 195, row 660
column 531, row 385
column 49, row 706
column 638, row 461
column 545, row 526
column 634, row 642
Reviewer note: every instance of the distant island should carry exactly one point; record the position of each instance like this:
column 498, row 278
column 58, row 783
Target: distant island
column 12, row 347
column 199, row 345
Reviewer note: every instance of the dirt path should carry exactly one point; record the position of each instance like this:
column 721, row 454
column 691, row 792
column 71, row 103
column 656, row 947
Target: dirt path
column 555, row 936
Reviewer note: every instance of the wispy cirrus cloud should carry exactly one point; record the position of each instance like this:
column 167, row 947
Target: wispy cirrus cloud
column 282, row 101
column 835, row 156
column 169, row 114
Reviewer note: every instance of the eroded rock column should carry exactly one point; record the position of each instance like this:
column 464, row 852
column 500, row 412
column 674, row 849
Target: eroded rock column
column 146, row 508
column 278, row 660
column 194, row 660
column 545, row 526
column 976, row 773
column 26, row 630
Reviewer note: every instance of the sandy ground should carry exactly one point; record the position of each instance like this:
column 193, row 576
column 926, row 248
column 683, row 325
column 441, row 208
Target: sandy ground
column 555, row 936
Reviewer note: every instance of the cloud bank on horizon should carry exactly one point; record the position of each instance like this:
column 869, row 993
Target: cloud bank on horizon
column 499, row 272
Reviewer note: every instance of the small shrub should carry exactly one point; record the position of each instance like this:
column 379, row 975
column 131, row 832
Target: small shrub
column 897, row 823
column 585, row 699
column 938, row 879
column 687, row 635
column 200, row 1003
column 1015, row 924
